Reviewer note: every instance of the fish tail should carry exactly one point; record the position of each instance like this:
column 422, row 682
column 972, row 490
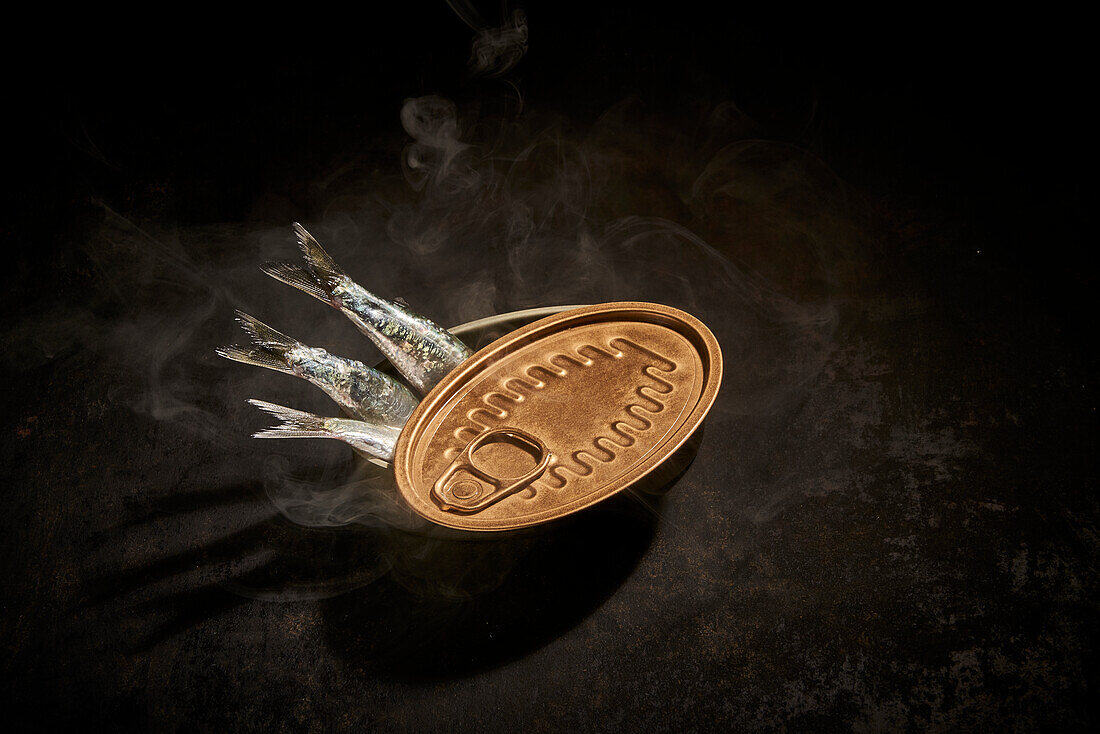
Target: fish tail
column 254, row 356
column 304, row 280
column 270, row 348
column 263, row 335
column 319, row 261
column 295, row 423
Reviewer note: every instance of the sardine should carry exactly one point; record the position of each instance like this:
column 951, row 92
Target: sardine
column 420, row 349
column 376, row 440
column 365, row 393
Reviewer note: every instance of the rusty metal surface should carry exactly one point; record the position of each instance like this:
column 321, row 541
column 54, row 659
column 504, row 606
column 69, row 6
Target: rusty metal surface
column 558, row 415
column 909, row 540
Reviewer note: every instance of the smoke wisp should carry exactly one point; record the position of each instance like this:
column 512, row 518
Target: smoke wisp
column 483, row 213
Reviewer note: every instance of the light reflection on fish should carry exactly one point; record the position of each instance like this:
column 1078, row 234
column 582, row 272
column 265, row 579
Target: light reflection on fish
column 369, row 438
column 365, row 393
column 419, row 348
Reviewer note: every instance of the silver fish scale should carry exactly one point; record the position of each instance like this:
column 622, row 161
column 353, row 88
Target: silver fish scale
column 364, row 392
column 420, row 349
column 375, row 440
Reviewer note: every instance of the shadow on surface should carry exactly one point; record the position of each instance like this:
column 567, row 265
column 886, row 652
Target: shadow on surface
column 458, row 606
column 414, row 605
column 493, row 600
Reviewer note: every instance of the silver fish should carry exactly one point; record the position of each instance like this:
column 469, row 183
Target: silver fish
column 376, row 440
column 365, row 393
column 420, row 349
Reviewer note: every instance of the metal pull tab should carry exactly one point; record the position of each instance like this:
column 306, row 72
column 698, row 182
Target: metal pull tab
column 464, row 493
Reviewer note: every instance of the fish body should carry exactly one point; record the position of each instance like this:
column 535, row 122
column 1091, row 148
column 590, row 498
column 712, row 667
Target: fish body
column 363, row 392
column 421, row 350
column 375, row 440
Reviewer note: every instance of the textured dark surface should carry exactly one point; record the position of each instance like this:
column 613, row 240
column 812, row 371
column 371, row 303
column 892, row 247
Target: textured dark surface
column 891, row 521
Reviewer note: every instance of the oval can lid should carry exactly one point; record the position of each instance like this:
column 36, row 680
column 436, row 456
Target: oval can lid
column 558, row 415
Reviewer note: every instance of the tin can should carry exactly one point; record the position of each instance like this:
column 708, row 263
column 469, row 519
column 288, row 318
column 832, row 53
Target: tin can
column 558, row 415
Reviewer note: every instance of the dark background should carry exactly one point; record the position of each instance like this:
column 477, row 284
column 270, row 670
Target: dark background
column 969, row 154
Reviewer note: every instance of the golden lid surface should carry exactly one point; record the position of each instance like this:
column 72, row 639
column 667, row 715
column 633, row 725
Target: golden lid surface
column 557, row 416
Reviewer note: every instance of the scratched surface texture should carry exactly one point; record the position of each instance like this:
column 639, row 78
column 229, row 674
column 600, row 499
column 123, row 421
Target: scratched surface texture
column 891, row 520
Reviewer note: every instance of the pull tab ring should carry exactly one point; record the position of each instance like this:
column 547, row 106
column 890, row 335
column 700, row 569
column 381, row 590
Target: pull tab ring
column 466, row 495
